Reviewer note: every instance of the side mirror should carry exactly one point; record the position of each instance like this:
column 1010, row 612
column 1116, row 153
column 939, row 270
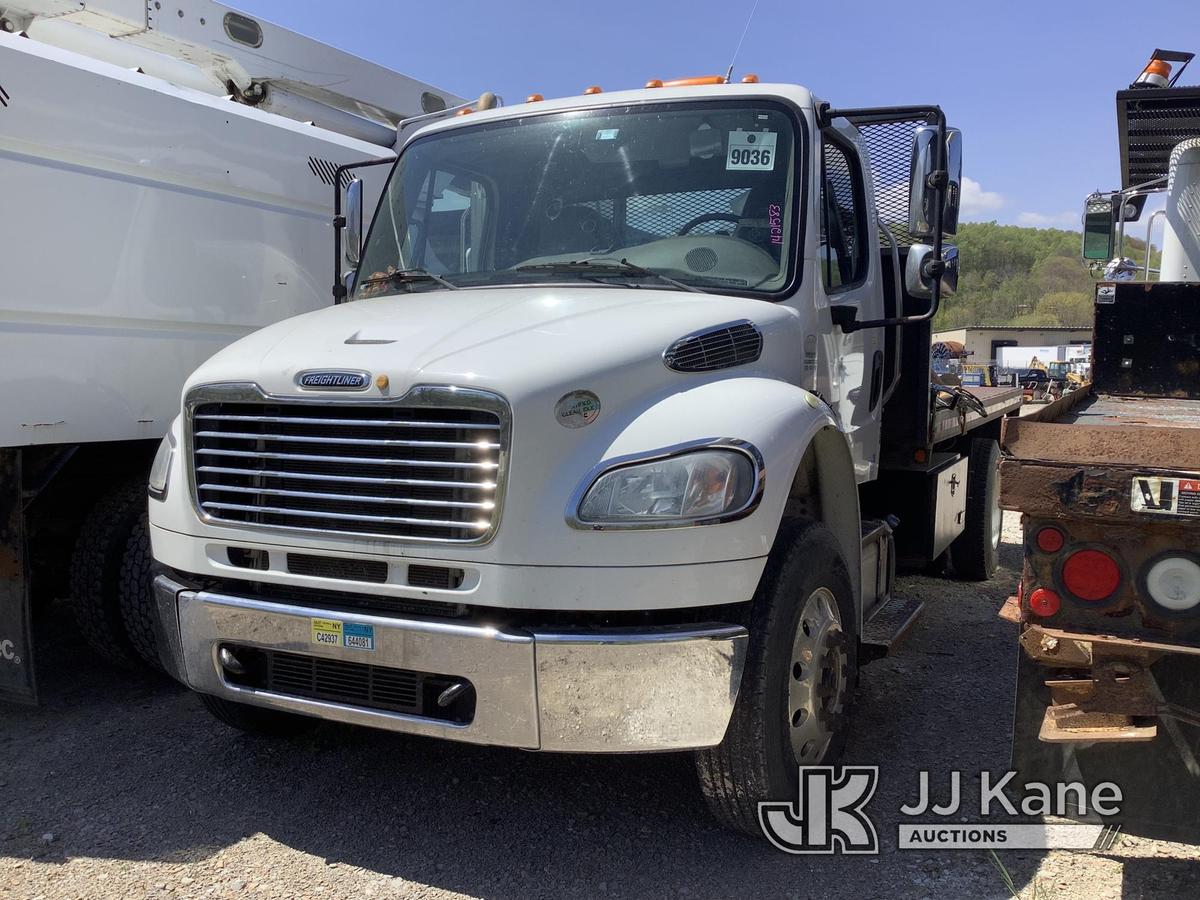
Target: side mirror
column 354, row 221
column 920, row 194
column 917, row 281
column 1098, row 229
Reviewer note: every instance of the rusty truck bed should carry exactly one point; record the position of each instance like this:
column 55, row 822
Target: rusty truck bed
column 1080, row 454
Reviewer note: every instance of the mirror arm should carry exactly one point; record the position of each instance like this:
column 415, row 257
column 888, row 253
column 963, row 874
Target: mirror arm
column 938, row 180
column 339, row 220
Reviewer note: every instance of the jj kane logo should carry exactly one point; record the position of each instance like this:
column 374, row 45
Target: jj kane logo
column 827, row 816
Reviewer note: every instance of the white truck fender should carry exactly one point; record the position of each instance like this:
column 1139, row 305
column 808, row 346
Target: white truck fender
column 789, row 427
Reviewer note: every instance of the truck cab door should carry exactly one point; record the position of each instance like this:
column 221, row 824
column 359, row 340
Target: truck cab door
column 852, row 367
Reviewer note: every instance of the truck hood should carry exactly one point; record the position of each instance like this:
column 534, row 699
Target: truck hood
column 514, row 340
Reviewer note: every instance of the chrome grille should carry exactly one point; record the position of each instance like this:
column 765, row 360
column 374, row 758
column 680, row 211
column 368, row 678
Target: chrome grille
column 422, row 472
column 717, row 348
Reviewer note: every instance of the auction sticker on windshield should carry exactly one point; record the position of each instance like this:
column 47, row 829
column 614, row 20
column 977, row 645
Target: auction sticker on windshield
column 751, row 151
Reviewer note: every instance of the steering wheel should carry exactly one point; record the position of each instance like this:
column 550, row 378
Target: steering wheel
column 708, row 217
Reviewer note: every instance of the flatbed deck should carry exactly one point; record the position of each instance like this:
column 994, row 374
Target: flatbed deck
column 1155, row 412
column 997, row 402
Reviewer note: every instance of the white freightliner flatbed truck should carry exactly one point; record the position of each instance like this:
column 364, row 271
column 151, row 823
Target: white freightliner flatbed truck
column 166, row 178
column 613, row 447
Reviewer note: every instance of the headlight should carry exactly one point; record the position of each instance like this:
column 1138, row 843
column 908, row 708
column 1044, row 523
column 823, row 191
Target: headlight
column 161, row 469
column 686, row 489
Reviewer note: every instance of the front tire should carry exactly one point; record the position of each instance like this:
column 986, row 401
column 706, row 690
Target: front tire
column 798, row 685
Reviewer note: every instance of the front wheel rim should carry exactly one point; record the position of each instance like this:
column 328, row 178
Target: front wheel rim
column 816, row 678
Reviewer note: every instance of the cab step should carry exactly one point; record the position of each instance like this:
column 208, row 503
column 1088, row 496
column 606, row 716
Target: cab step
column 888, row 626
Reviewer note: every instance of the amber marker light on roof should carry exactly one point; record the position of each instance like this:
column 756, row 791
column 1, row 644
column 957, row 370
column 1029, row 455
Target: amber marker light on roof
column 691, row 82
column 654, row 82
column 750, row 78
column 1156, row 74
column 534, row 98
column 594, row 89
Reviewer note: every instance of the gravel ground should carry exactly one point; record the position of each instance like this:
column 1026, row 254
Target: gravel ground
column 116, row 787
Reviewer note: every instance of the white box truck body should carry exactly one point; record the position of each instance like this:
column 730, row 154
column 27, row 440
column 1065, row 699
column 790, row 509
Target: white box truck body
column 167, row 181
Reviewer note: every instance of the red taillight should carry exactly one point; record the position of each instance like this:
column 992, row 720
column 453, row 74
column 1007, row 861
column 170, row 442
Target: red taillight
column 1050, row 540
column 1043, row 602
column 1091, row 575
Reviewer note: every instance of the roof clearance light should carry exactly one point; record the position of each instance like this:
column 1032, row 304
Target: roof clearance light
column 534, row 98
column 1043, row 602
column 654, row 82
column 594, row 89
column 1174, row 583
column 465, row 111
column 1155, row 74
column 1091, row 575
column 750, row 78
column 699, row 79
column 1050, row 540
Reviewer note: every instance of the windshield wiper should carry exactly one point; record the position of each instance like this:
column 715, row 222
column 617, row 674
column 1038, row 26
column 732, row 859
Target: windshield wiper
column 408, row 276
column 607, row 268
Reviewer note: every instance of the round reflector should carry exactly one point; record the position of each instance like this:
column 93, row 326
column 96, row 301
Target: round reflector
column 1050, row 540
column 1091, row 575
column 1174, row 583
column 1043, row 602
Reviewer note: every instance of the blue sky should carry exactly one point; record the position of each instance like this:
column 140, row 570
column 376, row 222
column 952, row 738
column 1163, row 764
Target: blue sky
column 1031, row 84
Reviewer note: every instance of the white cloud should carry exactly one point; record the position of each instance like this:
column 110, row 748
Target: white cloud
column 975, row 201
column 1069, row 219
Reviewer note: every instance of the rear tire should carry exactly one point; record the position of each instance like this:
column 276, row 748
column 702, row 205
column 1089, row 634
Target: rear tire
column 801, row 668
column 256, row 719
column 99, row 577
column 136, row 594
column 976, row 552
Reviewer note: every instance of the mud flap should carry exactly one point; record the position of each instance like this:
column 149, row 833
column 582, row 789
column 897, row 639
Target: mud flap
column 1159, row 779
column 16, row 641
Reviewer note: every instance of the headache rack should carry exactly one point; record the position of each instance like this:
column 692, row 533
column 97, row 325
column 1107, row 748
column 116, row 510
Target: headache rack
column 889, row 155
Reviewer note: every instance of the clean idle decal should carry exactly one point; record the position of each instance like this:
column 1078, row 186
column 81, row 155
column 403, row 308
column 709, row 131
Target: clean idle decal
column 576, row 409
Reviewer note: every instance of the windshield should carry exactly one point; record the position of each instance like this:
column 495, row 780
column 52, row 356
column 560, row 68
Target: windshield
column 699, row 192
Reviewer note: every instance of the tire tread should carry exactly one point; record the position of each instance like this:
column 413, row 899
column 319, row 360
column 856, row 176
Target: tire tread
column 735, row 775
column 96, row 564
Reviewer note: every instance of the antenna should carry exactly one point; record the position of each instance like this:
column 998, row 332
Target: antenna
column 749, row 19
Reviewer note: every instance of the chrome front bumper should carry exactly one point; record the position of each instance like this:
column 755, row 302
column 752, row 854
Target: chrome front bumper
column 589, row 691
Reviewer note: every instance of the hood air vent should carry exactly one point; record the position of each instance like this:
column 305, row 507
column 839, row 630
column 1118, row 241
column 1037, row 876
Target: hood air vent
column 734, row 344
